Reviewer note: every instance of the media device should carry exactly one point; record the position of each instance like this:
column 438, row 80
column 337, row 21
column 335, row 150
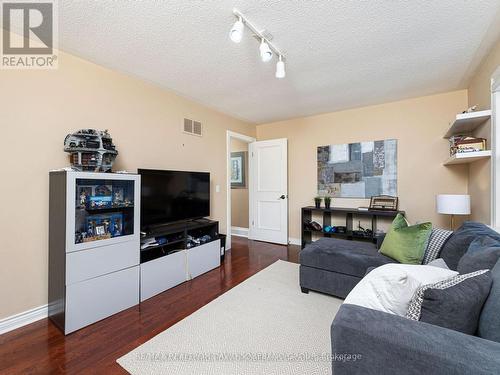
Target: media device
column 170, row 196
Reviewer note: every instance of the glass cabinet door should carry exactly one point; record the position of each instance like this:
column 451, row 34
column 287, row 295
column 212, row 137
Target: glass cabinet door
column 104, row 209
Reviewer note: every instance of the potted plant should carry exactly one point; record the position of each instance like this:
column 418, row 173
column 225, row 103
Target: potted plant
column 328, row 200
column 317, row 202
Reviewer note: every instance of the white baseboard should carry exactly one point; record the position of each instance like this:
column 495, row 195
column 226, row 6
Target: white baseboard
column 26, row 317
column 294, row 241
column 239, row 232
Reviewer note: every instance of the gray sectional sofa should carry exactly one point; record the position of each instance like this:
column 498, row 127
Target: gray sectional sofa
column 366, row 341
column 334, row 266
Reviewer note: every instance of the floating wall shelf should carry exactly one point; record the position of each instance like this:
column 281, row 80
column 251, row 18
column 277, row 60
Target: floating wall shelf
column 467, row 157
column 466, row 122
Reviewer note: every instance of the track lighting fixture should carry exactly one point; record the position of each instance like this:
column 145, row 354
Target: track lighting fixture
column 265, row 52
column 236, row 32
column 280, row 68
column 266, row 48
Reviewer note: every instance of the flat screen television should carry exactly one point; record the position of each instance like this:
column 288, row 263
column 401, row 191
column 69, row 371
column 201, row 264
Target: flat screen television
column 170, row 196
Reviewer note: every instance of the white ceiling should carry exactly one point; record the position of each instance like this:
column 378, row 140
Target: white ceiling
column 340, row 54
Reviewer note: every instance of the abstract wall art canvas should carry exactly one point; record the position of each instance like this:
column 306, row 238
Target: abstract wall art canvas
column 358, row 170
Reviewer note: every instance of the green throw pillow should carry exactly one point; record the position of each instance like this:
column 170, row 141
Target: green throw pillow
column 404, row 243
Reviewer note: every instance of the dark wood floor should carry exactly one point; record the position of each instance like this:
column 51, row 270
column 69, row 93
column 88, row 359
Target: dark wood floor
column 40, row 348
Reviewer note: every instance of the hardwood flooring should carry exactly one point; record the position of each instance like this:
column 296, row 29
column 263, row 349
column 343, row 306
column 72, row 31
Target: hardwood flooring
column 40, row 348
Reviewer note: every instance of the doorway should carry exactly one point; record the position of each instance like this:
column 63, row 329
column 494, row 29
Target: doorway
column 257, row 189
column 238, row 180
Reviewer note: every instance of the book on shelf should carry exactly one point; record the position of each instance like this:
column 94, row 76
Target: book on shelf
column 463, row 144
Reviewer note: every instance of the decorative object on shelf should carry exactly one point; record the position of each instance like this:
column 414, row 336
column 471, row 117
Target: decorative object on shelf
column 358, row 170
column 84, row 193
column 471, row 109
column 339, row 229
column 313, row 225
column 317, row 202
column 99, row 202
column 328, row 200
column 103, row 190
column 118, row 196
column 91, row 150
column 453, row 204
column 362, row 232
column 238, row 169
column 464, row 143
column 100, row 227
column 384, row 203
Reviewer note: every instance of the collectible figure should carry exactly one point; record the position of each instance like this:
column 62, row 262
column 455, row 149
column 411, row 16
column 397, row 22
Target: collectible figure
column 83, row 199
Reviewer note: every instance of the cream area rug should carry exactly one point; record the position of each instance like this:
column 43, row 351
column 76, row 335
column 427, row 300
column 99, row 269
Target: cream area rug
column 264, row 325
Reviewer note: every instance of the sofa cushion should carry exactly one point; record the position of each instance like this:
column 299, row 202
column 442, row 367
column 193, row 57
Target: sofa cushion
column 439, row 262
column 483, row 253
column 436, row 242
column 404, row 243
column 460, row 240
column 454, row 304
column 342, row 256
column 390, row 287
column 489, row 321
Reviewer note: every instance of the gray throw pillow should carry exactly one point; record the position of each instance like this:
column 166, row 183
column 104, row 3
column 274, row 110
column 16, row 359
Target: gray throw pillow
column 455, row 303
column 483, row 253
column 458, row 243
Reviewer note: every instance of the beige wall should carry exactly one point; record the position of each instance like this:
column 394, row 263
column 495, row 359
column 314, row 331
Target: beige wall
column 38, row 108
column 418, row 125
column 239, row 197
column 479, row 92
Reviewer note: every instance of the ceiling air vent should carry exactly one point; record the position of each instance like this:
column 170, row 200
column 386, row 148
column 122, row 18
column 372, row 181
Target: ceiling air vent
column 192, row 127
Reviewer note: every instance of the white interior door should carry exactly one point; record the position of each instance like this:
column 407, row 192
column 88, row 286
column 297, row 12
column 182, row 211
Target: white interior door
column 268, row 207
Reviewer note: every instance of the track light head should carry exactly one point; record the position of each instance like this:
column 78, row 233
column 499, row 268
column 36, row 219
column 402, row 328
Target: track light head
column 280, row 68
column 236, row 32
column 265, row 52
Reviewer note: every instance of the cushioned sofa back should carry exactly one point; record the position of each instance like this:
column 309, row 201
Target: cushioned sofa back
column 489, row 321
column 459, row 241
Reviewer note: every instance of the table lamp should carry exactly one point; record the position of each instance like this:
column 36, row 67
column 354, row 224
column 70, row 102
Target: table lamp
column 453, row 204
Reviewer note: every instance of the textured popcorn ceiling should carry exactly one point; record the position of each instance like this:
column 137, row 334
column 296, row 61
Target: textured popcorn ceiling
column 340, row 54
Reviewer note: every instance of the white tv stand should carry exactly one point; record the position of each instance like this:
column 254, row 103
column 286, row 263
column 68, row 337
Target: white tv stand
column 167, row 265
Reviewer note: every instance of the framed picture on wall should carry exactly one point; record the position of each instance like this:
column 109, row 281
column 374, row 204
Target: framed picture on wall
column 238, row 168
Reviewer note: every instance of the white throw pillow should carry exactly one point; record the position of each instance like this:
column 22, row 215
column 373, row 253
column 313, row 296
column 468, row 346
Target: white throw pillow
column 390, row 287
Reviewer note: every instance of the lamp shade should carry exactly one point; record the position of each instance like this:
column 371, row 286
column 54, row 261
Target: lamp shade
column 453, row 204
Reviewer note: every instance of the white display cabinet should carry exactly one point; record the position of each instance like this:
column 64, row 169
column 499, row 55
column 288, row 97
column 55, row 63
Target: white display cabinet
column 94, row 242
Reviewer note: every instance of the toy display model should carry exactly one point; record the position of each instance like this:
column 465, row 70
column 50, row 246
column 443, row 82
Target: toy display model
column 91, row 150
column 103, row 209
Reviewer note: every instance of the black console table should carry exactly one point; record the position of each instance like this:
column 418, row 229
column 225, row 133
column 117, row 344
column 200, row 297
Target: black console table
column 350, row 234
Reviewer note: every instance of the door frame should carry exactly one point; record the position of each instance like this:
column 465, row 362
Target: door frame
column 245, row 138
column 495, row 157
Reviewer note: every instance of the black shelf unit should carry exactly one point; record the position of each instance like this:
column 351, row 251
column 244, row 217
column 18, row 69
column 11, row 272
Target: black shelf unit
column 307, row 214
column 177, row 237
